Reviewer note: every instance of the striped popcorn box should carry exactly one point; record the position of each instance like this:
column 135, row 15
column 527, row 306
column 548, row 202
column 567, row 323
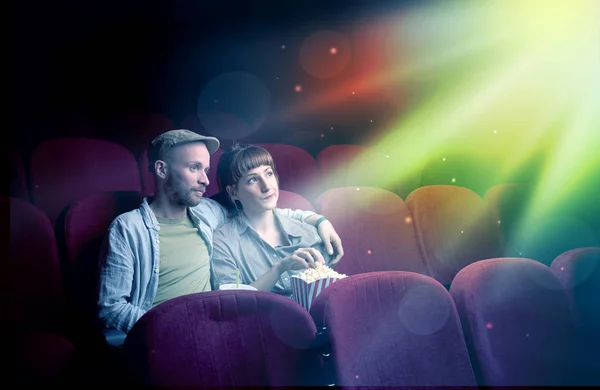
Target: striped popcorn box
column 305, row 293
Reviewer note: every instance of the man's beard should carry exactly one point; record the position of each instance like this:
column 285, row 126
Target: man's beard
column 180, row 194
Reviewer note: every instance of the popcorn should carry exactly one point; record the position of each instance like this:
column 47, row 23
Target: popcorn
column 309, row 284
column 319, row 272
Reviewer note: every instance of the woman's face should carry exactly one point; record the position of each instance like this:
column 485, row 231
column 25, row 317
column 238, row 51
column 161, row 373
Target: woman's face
column 257, row 190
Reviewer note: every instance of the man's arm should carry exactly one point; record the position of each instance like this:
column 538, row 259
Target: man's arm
column 332, row 241
column 116, row 278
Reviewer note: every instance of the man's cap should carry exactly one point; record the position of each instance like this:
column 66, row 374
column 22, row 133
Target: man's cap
column 164, row 142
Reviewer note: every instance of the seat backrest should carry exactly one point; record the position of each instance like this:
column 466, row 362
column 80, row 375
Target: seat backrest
column 454, row 227
column 135, row 130
column 517, row 322
column 334, row 164
column 148, row 179
column 85, row 226
column 297, row 169
column 223, row 338
column 291, row 200
column 578, row 270
column 33, row 275
column 375, row 227
column 395, row 328
column 18, row 177
column 359, row 165
column 461, row 169
column 65, row 169
column 546, row 236
column 508, row 202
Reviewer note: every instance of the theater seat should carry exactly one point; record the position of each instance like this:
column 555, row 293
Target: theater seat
column 34, row 310
column 517, row 322
column 297, row 169
column 135, row 130
column 18, row 177
column 376, row 229
column 579, row 272
column 32, row 279
column 63, row 170
column 225, row 338
column 86, row 223
column 393, row 328
column 291, row 200
column 345, row 165
column 454, row 228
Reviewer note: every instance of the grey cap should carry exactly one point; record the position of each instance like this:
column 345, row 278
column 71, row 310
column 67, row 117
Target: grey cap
column 164, row 142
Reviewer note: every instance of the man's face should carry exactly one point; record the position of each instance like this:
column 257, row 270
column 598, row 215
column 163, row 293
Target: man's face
column 186, row 176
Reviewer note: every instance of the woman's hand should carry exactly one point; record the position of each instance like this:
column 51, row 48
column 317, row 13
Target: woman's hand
column 302, row 258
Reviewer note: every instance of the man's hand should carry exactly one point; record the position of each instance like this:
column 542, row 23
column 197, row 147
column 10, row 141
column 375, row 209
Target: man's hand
column 333, row 242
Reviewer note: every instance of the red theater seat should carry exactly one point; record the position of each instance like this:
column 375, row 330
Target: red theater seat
column 32, row 276
column 297, row 169
column 517, row 322
column 18, row 176
column 579, row 272
column 135, row 130
column 65, row 169
column 359, row 165
column 393, row 328
column 454, row 228
column 223, row 339
column 85, row 226
column 376, row 229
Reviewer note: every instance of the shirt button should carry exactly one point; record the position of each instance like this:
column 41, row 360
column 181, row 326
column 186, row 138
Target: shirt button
column 157, row 241
column 286, row 279
column 156, row 270
column 274, row 254
column 148, row 303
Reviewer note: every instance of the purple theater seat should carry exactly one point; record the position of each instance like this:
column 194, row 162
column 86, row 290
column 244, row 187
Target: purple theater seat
column 32, row 279
column 376, row 228
column 85, row 224
column 18, row 177
column 223, row 338
column 291, row 200
column 579, row 272
column 517, row 322
column 44, row 359
column 136, row 129
column 359, row 165
column 393, row 328
column 454, row 227
column 297, row 169
column 63, row 170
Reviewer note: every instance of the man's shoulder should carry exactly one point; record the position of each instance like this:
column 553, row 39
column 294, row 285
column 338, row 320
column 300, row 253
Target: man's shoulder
column 207, row 207
column 129, row 219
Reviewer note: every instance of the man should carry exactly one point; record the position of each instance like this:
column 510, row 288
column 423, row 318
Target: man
column 162, row 249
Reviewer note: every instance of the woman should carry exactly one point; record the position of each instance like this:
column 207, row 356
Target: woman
column 265, row 246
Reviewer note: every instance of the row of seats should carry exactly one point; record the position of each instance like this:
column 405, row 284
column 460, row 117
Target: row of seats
column 61, row 170
column 380, row 232
column 504, row 322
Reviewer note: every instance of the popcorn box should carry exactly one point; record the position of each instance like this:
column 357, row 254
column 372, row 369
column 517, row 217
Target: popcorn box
column 305, row 293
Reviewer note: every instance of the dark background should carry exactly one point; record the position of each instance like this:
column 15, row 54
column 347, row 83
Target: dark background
column 76, row 67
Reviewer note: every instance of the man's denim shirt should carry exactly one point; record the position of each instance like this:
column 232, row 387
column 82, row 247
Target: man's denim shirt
column 130, row 259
